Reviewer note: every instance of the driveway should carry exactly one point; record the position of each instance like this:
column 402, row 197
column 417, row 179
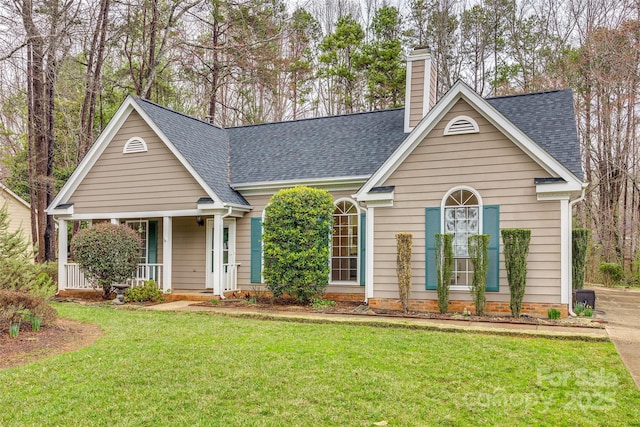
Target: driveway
column 621, row 310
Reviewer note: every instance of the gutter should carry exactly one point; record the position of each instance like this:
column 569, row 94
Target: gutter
column 571, row 204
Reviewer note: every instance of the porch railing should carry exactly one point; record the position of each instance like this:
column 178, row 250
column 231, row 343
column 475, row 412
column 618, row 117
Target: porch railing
column 230, row 279
column 77, row 280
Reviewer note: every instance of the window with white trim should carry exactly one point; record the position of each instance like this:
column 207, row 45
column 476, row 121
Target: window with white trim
column 142, row 229
column 462, row 207
column 135, row 145
column 344, row 242
column 461, row 125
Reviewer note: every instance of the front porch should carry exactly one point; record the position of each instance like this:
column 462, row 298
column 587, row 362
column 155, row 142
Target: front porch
column 179, row 252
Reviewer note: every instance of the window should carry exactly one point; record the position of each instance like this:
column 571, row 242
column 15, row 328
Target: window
column 461, row 125
column 135, row 145
column 462, row 208
column 344, row 244
column 142, row 228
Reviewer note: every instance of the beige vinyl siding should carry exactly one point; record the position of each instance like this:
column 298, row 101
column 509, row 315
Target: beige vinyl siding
column 189, row 252
column 433, row 91
column 243, row 244
column 150, row 181
column 501, row 173
column 19, row 214
column 416, row 100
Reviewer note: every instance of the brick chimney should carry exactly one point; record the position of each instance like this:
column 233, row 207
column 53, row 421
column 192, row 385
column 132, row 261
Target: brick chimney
column 421, row 87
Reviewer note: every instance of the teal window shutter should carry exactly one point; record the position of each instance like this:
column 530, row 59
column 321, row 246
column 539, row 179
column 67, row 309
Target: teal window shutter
column 491, row 226
column 432, row 227
column 363, row 248
column 256, row 250
column 152, row 244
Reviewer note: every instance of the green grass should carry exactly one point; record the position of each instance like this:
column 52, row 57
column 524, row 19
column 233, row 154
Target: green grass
column 154, row 368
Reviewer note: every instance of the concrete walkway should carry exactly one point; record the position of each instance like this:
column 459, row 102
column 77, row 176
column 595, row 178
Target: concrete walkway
column 621, row 309
column 506, row 329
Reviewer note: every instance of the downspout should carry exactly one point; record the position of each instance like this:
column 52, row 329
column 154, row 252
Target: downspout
column 570, row 287
column 229, row 210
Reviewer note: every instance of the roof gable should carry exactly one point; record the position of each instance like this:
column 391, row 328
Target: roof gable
column 459, row 91
column 17, row 198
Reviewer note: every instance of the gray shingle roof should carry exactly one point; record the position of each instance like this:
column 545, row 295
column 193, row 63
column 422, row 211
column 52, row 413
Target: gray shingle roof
column 341, row 146
column 548, row 119
column 204, row 146
column 327, row 147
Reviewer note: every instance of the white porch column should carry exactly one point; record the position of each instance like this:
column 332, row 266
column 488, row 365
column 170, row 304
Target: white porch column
column 368, row 284
column 565, row 251
column 62, row 254
column 167, row 251
column 218, row 269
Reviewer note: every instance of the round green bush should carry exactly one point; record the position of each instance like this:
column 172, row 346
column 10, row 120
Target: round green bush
column 297, row 225
column 107, row 254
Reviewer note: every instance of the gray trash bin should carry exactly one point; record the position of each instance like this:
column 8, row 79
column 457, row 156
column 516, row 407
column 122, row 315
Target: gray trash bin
column 586, row 296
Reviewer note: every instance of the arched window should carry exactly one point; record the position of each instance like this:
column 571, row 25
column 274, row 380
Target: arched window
column 462, row 210
column 344, row 244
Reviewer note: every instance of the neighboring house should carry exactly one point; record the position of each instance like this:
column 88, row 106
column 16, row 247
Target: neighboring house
column 19, row 212
column 466, row 165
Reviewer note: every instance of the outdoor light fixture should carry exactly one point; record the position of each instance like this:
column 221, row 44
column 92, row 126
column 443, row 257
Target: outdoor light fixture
column 200, row 220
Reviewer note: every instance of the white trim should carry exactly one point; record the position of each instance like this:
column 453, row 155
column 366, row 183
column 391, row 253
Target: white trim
column 135, row 145
column 461, row 91
column 480, row 221
column 378, row 198
column 122, row 114
column 15, row 196
column 565, row 244
column 62, row 254
column 357, row 214
column 329, row 184
column 66, row 211
column 456, row 122
column 149, row 214
column 218, row 230
column 167, row 251
column 368, row 284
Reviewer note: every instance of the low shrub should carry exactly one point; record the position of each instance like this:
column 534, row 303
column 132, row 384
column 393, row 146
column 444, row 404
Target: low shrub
column 320, row 303
column 147, row 292
column 553, row 314
column 18, row 306
column 612, row 273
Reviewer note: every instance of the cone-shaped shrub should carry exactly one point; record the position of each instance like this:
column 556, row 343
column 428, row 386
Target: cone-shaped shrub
column 479, row 256
column 444, row 269
column 579, row 246
column 403, row 267
column 516, row 248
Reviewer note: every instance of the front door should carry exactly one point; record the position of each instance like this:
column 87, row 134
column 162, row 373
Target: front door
column 228, row 250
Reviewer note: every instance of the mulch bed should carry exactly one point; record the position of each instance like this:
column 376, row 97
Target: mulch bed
column 60, row 337
column 285, row 304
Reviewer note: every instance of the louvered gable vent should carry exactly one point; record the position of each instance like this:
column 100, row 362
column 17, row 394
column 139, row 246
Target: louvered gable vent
column 461, row 125
column 135, row 145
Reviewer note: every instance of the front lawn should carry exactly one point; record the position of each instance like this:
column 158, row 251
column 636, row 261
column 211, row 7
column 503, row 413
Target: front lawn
column 155, row 368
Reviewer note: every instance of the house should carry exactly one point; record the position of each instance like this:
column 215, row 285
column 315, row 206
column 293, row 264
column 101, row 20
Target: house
column 19, row 212
column 196, row 192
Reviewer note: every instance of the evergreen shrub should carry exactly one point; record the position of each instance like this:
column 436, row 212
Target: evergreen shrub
column 612, row 273
column 444, row 269
column 579, row 247
column 297, row 225
column 404, row 243
column 107, row 254
column 516, row 248
column 479, row 256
